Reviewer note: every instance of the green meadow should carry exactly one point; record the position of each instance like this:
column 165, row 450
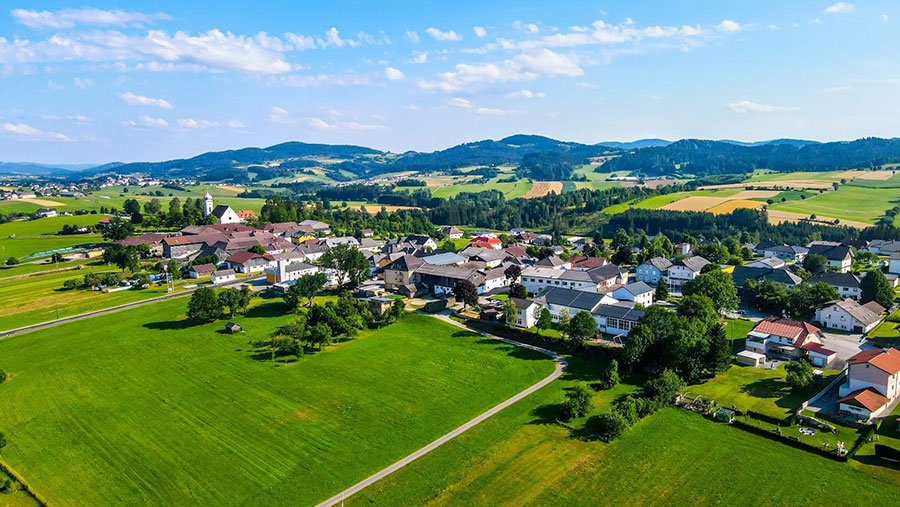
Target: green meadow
column 144, row 407
column 848, row 202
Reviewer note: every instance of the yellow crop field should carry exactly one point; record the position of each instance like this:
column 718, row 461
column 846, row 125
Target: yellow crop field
column 695, row 203
column 542, row 188
column 728, row 207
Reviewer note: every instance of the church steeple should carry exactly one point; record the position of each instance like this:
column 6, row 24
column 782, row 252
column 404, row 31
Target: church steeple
column 207, row 204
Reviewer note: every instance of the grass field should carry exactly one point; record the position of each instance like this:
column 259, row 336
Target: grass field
column 510, row 189
column 847, row 202
column 757, row 389
column 671, row 458
column 47, row 300
column 145, row 408
column 23, row 238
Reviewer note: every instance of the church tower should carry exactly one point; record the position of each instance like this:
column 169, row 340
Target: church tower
column 207, row 204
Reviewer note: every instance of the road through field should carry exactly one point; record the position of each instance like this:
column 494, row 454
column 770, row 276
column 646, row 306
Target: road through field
column 561, row 366
column 41, row 325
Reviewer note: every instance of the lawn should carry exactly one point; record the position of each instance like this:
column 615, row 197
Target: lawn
column 847, row 202
column 670, row 458
column 757, row 389
column 23, row 238
column 146, row 408
column 510, row 189
column 885, row 334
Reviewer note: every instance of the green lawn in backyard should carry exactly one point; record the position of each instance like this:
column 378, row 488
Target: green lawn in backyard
column 758, row 389
column 847, row 202
column 39, row 298
column 143, row 407
column 885, row 334
column 670, row 458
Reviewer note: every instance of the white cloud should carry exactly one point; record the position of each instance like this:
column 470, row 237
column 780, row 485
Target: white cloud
column 472, row 108
column 190, row 123
column 279, row 115
column 526, row 27
column 29, row 133
column 82, row 82
column 212, row 50
column 320, row 124
column 234, row 124
column 412, row 36
column 69, row 18
column 393, row 74
column 839, row 8
column 526, row 66
column 745, row 106
column 332, row 38
column 139, row 100
column 78, row 118
column 526, row 94
column 656, row 97
column 150, row 121
column 419, row 57
column 728, row 26
column 479, row 31
column 884, row 18
column 441, row 35
column 549, row 63
column 300, row 42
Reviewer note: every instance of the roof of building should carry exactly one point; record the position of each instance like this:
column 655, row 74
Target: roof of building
column 637, row 288
column 522, row 304
column 695, row 263
column 203, row 268
column 835, row 279
column 622, row 311
column 451, row 229
column 867, row 398
column 817, row 348
column 788, row 249
column 579, row 261
column 449, row 271
column 516, row 251
column 405, row 263
column 659, row 263
column 605, row 272
column 787, row 328
column 148, row 238
column 244, row 213
column 244, row 257
column 740, row 275
column 223, row 272
column 866, row 314
column 208, row 238
column 831, row 252
column 887, row 360
column 558, row 274
column 770, row 262
column 444, row 258
column 220, row 210
column 298, row 266
column 581, row 300
column 553, row 260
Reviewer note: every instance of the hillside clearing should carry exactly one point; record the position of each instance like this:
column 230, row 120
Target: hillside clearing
column 777, row 216
column 695, row 203
column 542, row 188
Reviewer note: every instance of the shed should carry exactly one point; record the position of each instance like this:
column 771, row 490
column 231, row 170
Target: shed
column 232, row 328
column 725, row 415
column 437, row 305
column 750, row 358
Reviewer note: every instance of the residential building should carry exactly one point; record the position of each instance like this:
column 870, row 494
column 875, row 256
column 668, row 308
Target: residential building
column 846, row 284
column 840, row 257
column 452, row 232
column 787, row 252
column 848, row 315
column 46, row 213
column 782, row 338
column 555, row 262
column 421, row 242
column 201, row 270
column 873, row 382
column 527, row 312
column 612, row 317
column 442, row 279
column 249, row 262
column 285, row 271
column 537, row 278
column 740, row 275
column 486, row 242
column 653, row 270
column 894, row 264
column 638, row 293
column 884, row 246
column 223, row 276
column 685, row 270
column 400, row 272
column 585, row 263
column 343, row 240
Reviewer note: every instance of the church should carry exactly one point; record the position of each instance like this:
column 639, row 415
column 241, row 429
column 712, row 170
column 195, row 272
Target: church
column 223, row 214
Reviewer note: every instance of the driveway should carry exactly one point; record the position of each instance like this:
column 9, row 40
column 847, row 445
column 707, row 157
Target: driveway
column 846, row 345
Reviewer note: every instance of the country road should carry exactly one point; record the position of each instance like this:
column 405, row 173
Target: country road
column 561, row 366
column 49, row 323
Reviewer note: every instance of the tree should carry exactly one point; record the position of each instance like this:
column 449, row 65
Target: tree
column 517, row 290
column 348, row 262
column 258, row 249
column 579, row 401
column 664, row 387
column 513, row 272
column 582, row 327
column 448, row 245
column 152, row 207
column 611, row 425
column 234, row 300
column 771, row 296
column 718, row 286
column 320, row 335
column 815, row 263
column 510, row 312
column 562, row 323
column 137, row 218
column 2, row 376
column 173, row 269
column 610, row 376
column 466, row 292
column 131, row 206
column 799, row 374
column 875, row 287
column 718, row 358
column 204, row 306
column 12, row 261
column 699, row 308
column 123, row 257
column 545, row 320
column 662, row 291
column 117, row 229
column 92, row 280
column 307, row 287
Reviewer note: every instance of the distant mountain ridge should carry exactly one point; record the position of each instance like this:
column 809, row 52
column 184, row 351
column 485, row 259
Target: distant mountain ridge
column 652, row 157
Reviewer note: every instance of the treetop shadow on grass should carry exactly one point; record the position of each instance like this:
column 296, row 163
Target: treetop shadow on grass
column 268, row 310
column 170, row 325
column 546, row 414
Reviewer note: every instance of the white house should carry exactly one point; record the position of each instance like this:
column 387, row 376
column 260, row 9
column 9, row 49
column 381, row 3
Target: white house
column 686, row 269
column 840, row 257
column 527, row 312
column 873, row 381
column 201, row 270
column 223, row 214
column 846, row 284
column 537, row 278
column 638, row 293
column 612, row 317
column 285, row 271
column 46, row 213
column 848, row 315
column 222, row 276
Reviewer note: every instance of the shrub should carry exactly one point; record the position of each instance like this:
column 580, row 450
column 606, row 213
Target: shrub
column 2, row 440
column 578, row 402
column 610, row 375
column 2, row 376
column 611, row 426
column 5, row 485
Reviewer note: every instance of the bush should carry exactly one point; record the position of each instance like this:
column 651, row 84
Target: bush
column 664, row 387
column 2, row 440
column 610, row 377
column 578, row 402
column 5, row 485
column 611, row 426
column 70, row 284
column 2, row 376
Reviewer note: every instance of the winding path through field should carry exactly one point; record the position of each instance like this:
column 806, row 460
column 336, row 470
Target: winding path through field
column 561, row 366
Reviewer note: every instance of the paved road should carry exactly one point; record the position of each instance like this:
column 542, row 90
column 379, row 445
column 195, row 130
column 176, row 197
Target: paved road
column 49, row 323
column 561, row 366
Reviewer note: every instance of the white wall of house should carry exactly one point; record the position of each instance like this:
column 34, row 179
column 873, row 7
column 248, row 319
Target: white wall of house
column 221, row 278
column 861, row 376
column 527, row 318
column 680, row 274
column 834, row 317
column 623, row 294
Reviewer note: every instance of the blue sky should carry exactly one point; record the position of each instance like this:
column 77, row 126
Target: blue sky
column 134, row 81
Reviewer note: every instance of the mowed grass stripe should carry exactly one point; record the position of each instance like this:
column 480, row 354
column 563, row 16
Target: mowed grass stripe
column 140, row 407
